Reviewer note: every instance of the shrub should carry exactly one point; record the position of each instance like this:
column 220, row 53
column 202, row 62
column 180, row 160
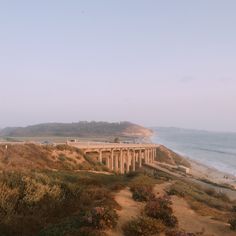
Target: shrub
column 101, row 218
column 47, row 203
column 142, row 187
column 143, row 226
column 8, row 199
column 142, row 193
column 179, row 233
column 62, row 157
column 84, row 166
column 232, row 223
column 160, row 208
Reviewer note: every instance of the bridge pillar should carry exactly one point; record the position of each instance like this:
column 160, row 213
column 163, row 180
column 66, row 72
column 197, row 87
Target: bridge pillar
column 145, row 156
column 133, row 161
column 140, row 157
column 107, row 162
column 116, row 162
column 150, row 155
column 112, row 160
column 121, row 162
column 100, row 156
column 128, row 161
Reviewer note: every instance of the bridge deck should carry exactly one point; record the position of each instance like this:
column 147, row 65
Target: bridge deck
column 93, row 145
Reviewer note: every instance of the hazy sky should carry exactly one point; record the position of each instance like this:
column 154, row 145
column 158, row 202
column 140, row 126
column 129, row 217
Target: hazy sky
column 163, row 63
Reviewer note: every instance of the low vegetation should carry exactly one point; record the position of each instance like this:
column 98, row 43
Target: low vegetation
column 79, row 129
column 157, row 215
column 195, row 192
column 57, row 203
column 141, row 188
column 160, row 208
column 143, row 226
column 168, row 156
column 46, row 157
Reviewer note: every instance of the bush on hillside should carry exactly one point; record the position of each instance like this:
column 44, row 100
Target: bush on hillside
column 141, row 188
column 143, row 226
column 101, row 218
column 160, row 208
column 142, row 193
column 45, row 202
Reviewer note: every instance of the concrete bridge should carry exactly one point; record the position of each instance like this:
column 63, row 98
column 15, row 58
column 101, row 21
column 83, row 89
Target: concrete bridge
column 119, row 157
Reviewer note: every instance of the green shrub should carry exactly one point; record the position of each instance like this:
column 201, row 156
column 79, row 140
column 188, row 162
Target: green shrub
column 160, row 208
column 143, row 226
column 142, row 193
column 141, row 188
column 56, row 203
column 101, row 218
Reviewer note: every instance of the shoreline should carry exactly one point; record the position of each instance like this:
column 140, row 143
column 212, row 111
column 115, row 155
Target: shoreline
column 204, row 172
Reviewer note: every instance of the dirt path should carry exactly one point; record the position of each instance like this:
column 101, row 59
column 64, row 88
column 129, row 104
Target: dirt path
column 159, row 189
column 190, row 221
column 129, row 209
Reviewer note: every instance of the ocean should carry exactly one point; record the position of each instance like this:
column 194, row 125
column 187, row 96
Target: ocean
column 214, row 149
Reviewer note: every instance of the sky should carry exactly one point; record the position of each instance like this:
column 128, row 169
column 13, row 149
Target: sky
column 152, row 62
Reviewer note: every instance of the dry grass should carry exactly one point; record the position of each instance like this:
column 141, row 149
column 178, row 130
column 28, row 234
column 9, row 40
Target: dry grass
column 31, row 156
column 167, row 156
column 206, row 202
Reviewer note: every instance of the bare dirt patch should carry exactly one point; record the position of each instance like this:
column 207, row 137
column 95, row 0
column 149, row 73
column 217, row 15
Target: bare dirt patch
column 129, row 209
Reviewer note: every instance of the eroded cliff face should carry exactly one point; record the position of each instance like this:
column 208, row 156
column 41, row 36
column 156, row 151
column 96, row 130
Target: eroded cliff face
column 137, row 131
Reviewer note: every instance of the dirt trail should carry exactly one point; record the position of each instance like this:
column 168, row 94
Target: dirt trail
column 190, row 221
column 130, row 208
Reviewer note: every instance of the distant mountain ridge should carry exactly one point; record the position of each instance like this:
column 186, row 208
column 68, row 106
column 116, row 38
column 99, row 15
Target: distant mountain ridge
column 78, row 129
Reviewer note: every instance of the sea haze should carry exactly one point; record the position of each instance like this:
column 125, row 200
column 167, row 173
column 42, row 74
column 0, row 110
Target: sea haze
column 214, row 149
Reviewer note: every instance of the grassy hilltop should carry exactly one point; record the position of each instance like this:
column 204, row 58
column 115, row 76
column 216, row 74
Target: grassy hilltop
column 80, row 129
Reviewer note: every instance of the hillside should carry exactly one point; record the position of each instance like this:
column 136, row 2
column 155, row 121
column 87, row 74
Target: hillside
column 32, row 156
column 79, row 129
column 166, row 155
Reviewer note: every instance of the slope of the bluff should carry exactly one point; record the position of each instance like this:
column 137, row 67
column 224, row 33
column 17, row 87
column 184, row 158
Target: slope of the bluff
column 32, row 156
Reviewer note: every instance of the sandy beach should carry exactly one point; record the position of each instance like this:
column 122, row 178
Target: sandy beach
column 202, row 171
